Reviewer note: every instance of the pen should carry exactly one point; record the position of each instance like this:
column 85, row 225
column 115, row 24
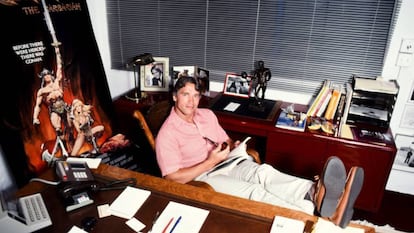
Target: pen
column 168, row 224
column 211, row 141
column 175, row 224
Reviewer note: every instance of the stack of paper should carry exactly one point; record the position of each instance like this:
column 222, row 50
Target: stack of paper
column 128, row 202
column 323, row 226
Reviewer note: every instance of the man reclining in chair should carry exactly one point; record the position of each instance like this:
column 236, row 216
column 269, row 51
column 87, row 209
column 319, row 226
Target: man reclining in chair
column 185, row 152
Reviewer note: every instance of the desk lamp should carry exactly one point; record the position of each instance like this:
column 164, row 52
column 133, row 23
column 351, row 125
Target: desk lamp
column 136, row 62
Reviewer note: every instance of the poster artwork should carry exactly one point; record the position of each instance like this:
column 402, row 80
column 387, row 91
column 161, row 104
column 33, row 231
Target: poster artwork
column 56, row 101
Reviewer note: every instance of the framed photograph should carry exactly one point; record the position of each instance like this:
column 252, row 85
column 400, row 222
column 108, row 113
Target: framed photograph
column 236, row 85
column 407, row 119
column 179, row 71
column 203, row 77
column 405, row 148
column 411, row 97
column 155, row 76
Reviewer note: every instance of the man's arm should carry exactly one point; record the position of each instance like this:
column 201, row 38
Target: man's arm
column 36, row 110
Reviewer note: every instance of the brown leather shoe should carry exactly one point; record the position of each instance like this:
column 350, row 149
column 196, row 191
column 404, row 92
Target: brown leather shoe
column 345, row 209
column 329, row 187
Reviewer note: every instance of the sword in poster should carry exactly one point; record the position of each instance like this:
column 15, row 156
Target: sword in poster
column 55, row 42
column 57, row 106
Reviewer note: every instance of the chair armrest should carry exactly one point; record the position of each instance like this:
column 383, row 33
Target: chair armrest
column 255, row 155
column 201, row 184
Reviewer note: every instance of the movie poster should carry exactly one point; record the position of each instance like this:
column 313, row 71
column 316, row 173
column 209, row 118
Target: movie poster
column 55, row 98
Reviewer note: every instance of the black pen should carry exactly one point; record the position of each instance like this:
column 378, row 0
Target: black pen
column 211, row 141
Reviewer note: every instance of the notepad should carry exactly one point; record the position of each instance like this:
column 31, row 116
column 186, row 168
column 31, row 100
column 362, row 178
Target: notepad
column 180, row 217
column 286, row 225
column 128, row 202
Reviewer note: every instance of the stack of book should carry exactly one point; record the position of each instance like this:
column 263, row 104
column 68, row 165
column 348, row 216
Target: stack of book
column 327, row 101
column 329, row 104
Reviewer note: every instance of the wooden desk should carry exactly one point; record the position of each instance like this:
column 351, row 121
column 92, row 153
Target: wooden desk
column 227, row 213
column 302, row 153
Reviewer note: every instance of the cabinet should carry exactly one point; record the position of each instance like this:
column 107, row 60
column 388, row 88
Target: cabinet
column 304, row 154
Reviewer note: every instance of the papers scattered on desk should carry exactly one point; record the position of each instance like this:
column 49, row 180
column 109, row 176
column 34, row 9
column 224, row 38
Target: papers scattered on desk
column 128, row 202
column 135, row 224
column 181, row 218
column 231, row 107
column 76, row 229
column 287, row 225
column 93, row 163
column 323, row 226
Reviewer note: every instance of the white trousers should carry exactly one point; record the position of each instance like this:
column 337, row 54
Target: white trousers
column 262, row 182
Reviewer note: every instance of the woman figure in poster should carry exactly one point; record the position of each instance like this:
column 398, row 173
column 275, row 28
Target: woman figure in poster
column 82, row 121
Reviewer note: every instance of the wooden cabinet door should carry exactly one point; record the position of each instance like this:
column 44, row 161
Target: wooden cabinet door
column 376, row 162
column 296, row 153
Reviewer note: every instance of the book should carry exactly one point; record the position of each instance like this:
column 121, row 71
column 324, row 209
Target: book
column 349, row 90
column 317, row 101
column 292, row 121
column 235, row 156
column 333, row 104
column 324, row 103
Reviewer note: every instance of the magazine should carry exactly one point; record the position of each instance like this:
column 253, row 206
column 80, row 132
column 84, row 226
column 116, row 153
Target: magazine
column 292, row 121
column 235, row 156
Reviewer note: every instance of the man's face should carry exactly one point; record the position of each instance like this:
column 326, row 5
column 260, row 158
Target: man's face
column 186, row 101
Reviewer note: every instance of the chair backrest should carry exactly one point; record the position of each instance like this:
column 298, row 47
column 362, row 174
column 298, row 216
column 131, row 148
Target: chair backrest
column 152, row 121
column 143, row 123
column 157, row 114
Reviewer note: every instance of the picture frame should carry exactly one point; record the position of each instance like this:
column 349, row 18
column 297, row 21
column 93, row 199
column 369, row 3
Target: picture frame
column 203, row 78
column 404, row 144
column 236, row 85
column 178, row 71
column 407, row 119
column 160, row 68
column 411, row 95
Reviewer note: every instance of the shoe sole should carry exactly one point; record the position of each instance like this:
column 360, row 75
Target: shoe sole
column 356, row 186
column 333, row 179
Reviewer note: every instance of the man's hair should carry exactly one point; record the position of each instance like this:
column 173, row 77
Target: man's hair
column 184, row 80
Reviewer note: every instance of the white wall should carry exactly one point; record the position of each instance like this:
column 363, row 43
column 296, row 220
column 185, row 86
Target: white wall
column 404, row 75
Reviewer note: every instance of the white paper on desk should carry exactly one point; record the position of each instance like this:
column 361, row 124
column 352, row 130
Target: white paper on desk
column 323, row 226
column 93, row 163
column 231, row 106
column 128, row 202
column 287, row 225
column 192, row 218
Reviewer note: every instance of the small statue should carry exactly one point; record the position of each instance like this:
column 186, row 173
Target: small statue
column 260, row 78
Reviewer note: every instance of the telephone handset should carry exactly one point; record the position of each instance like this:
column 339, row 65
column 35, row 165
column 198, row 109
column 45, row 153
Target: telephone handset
column 73, row 171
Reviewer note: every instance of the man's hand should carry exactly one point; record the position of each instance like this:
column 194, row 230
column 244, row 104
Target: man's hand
column 218, row 154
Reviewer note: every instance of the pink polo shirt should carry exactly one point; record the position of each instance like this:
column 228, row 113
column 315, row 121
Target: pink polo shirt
column 180, row 144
